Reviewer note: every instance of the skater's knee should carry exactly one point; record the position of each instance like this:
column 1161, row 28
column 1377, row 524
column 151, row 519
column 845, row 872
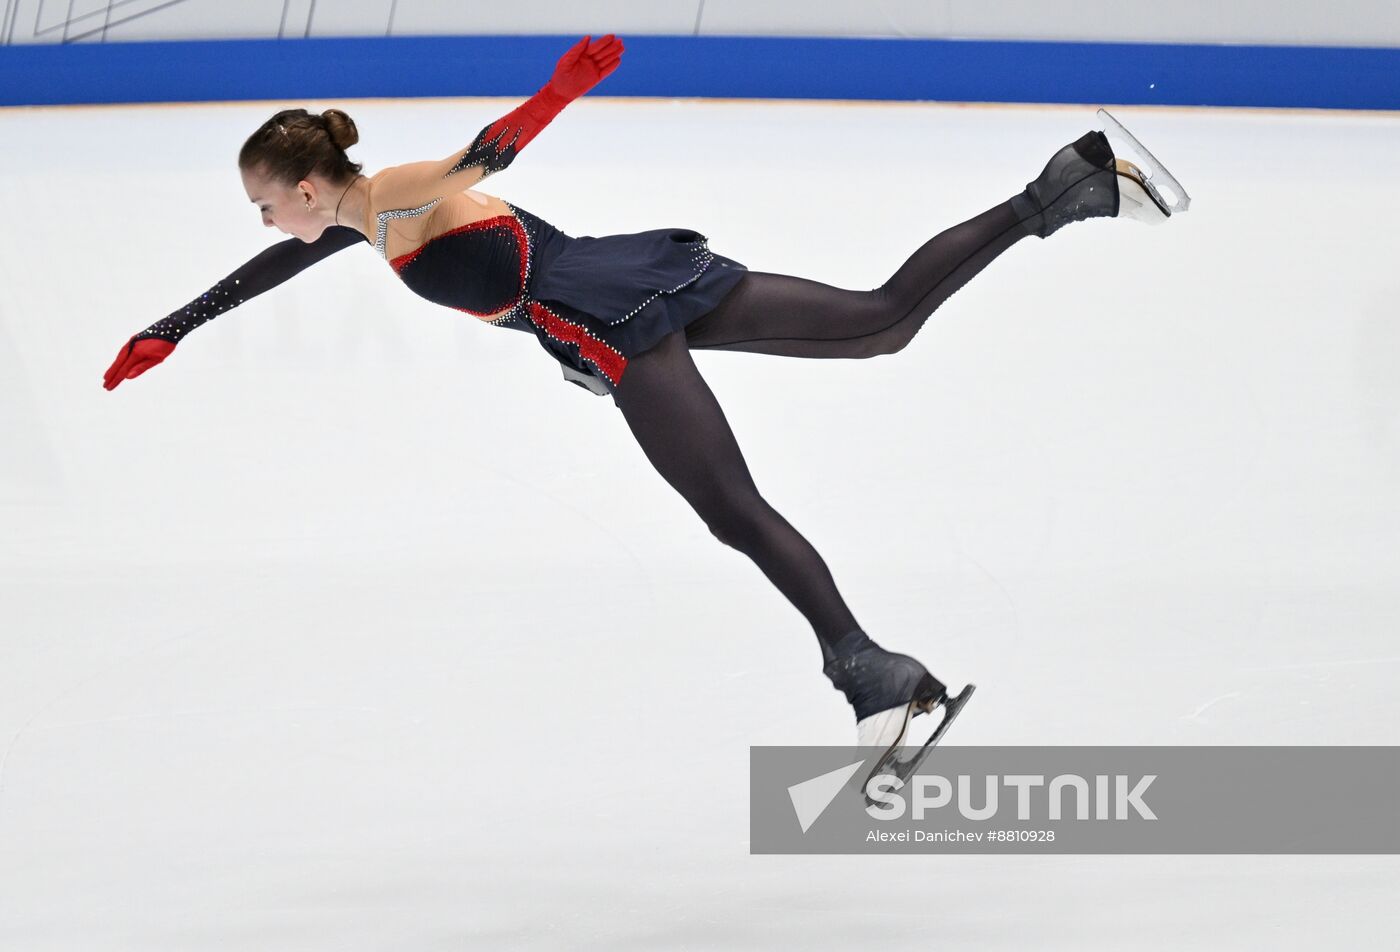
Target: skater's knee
column 732, row 531
column 895, row 320
column 878, row 343
column 872, row 345
column 720, row 532
column 897, row 337
column 735, row 519
column 890, row 344
column 886, row 343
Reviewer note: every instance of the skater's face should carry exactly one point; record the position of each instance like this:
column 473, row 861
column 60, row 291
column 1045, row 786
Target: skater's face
column 295, row 210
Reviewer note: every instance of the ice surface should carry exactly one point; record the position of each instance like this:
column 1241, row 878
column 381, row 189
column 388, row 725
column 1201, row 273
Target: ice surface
column 289, row 619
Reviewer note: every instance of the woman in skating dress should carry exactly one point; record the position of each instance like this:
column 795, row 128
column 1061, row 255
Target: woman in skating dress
column 621, row 314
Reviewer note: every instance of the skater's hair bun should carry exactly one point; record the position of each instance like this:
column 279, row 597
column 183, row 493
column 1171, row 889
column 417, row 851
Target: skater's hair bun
column 294, row 143
column 341, row 129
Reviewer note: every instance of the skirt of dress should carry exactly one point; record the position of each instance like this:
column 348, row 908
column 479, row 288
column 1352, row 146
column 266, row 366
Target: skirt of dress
column 594, row 303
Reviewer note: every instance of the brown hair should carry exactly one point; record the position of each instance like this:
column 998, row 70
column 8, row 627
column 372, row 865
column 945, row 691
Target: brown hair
column 294, row 143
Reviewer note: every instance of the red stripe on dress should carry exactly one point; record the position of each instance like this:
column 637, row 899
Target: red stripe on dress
column 604, row 356
column 601, row 354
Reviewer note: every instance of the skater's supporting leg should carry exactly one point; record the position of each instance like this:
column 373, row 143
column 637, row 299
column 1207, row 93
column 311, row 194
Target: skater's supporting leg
column 794, row 317
column 682, row 430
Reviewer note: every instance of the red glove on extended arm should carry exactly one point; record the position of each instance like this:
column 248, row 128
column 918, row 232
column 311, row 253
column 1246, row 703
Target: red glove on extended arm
column 580, row 69
column 135, row 358
column 263, row 272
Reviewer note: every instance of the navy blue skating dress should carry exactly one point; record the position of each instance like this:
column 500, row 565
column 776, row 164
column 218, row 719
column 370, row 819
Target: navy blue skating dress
column 592, row 303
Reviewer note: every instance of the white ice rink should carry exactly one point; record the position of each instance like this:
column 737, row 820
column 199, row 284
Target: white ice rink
column 288, row 619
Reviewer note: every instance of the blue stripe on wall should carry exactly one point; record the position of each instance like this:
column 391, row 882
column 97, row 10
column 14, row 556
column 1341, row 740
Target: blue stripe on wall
column 760, row 67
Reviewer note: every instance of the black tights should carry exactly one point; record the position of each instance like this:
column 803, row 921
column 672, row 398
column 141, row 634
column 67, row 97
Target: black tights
column 681, row 428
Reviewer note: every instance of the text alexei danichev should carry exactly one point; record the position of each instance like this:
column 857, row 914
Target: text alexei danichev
column 923, row 836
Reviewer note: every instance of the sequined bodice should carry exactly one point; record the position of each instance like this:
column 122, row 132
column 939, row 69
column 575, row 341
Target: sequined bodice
column 482, row 268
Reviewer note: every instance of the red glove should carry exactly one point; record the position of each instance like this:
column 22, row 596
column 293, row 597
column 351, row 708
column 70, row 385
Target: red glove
column 580, row 69
column 135, row 358
column 584, row 66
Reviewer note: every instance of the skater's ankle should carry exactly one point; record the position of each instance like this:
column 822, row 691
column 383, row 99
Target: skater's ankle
column 845, row 646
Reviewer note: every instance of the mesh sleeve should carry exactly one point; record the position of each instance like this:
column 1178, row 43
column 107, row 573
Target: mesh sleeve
column 262, row 273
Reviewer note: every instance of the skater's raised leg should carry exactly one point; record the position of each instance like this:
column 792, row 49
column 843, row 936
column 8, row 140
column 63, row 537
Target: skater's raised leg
column 795, row 317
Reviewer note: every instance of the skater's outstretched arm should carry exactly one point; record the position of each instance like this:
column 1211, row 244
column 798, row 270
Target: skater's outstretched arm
column 416, row 183
column 261, row 273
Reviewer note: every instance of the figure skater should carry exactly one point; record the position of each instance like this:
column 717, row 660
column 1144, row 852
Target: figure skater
column 621, row 314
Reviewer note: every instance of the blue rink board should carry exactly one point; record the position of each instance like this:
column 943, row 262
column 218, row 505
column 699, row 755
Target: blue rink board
column 706, row 66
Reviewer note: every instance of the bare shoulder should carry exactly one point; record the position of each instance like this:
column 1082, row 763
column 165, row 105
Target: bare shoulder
column 392, row 185
column 412, row 185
